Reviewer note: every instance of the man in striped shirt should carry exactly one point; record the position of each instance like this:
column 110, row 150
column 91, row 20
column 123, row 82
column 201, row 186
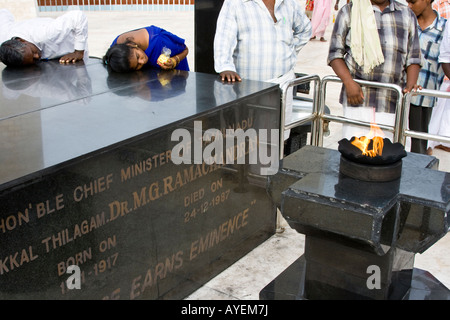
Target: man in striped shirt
column 260, row 40
column 397, row 30
column 431, row 28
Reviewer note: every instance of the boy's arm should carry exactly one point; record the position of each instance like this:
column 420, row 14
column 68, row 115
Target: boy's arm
column 336, row 6
column 355, row 95
column 413, row 56
column 337, row 53
column 412, row 74
column 446, row 68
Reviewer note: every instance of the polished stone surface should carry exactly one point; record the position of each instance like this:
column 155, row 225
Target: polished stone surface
column 360, row 209
column 87, row 179
column 417, row 283
column 352, row 224
column 89, row 110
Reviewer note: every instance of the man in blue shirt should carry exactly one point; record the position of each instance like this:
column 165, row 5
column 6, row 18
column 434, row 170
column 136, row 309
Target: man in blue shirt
column 430, row 28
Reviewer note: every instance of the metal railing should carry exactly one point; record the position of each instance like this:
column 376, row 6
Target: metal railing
column 405, row 132
column 317, row 117
column 309, row 118
column 395, row 129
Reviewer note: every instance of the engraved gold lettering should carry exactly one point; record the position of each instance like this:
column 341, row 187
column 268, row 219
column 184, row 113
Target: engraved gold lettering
column 135, row 285
column 67, row 235
column 194, row 197
column 47, row 207
column 216, row 185
column 12, row 221
column 94, row 187
column 78, row 259
column 136, row 169
column 219, row 234
column 117, row 209
column 115, row 295
column 145, row 165
column 17, row 259
column 158, row 272
column 107, row 244
column 146, row 195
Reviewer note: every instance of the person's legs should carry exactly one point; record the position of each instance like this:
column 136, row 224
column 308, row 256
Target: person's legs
column 419, row 117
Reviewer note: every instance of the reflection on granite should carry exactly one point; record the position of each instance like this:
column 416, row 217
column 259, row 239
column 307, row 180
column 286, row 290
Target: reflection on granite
column 46, row 132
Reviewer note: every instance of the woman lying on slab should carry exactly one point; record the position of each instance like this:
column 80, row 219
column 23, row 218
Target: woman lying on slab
column 149, row 47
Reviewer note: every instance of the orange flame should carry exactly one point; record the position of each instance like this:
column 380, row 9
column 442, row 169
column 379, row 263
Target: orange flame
column 363, row 143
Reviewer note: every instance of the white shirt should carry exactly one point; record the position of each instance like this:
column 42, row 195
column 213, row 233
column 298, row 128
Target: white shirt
column 54, row 37
column 250, row 43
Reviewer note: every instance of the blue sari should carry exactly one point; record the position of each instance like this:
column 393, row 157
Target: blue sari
column 158, row 39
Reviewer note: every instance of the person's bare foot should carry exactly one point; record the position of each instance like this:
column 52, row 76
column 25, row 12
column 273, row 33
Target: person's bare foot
column 443, row 148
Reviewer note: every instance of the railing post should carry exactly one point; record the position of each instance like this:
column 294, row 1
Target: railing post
column 405, row 132
column 311, row 118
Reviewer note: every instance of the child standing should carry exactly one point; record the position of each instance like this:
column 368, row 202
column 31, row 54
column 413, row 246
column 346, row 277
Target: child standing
column 431, row 28
column 440, row 118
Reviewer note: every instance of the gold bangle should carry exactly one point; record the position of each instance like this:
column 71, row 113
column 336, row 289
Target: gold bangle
column 178, row 59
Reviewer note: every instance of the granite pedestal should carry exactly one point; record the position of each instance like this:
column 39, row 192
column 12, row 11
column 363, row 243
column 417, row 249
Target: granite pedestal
column 361, row 237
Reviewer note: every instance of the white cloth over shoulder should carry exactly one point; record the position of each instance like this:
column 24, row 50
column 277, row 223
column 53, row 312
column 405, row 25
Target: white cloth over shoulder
column 365, row 41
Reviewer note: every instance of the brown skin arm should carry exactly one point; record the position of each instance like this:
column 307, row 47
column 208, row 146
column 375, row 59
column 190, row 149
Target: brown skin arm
column 446, row 68
column 172, row 63
column 73, row 57
column 230, row 76
column 355, row 94
column 412, row 73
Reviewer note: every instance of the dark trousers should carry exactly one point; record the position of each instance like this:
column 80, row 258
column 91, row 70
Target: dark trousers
column 419, row 118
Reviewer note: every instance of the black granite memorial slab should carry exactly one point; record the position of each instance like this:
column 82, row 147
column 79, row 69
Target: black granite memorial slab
column 352, row 225
column 89, row 180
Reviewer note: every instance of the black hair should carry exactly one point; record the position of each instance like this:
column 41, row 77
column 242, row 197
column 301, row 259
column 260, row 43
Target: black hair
column 11, row 52
column 117, row 58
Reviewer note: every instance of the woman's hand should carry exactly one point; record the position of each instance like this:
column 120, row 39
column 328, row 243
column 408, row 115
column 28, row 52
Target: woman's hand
column 170, row 64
